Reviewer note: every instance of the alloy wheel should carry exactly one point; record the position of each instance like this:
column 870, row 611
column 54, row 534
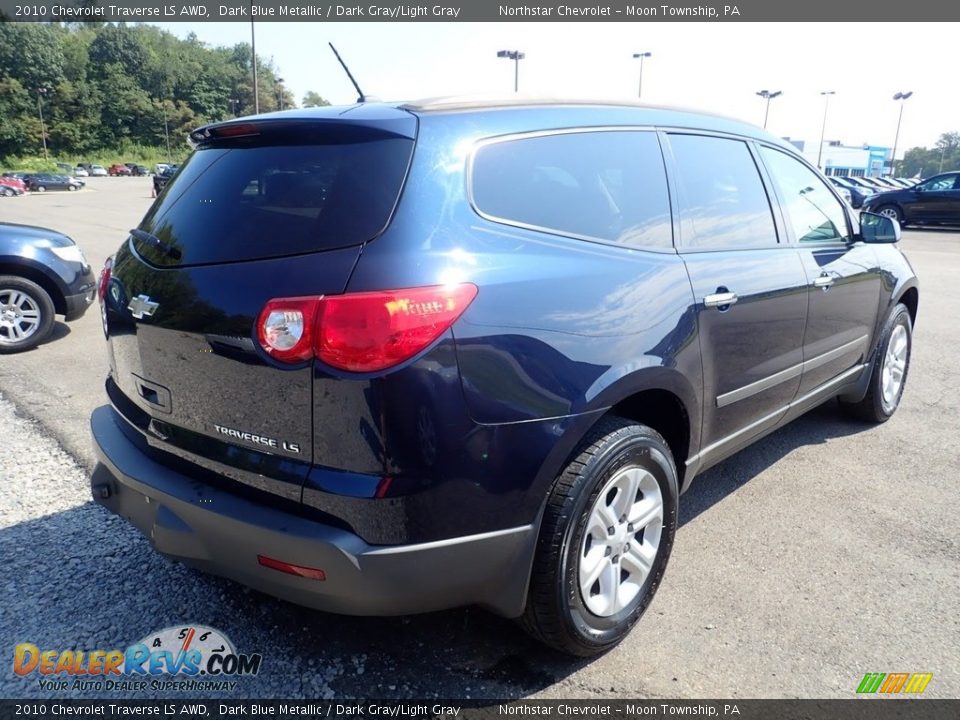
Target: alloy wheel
column 19, row 316
column 894, row 366
column 621, row 541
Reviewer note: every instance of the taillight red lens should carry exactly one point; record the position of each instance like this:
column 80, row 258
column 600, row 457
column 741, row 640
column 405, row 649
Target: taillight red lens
column 361, row 332
column 104, row 279
column 285, row 328
column 366, row 332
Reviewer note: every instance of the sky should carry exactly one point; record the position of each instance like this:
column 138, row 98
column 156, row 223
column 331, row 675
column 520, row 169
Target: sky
column 717, row 67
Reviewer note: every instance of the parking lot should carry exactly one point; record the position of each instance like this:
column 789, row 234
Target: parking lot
column 825, row 551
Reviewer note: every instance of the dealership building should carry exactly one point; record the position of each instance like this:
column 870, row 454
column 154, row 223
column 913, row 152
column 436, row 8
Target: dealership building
column 847, row 160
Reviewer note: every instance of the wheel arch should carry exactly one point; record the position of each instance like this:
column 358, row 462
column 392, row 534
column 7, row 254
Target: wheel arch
column 35, row 273
column 909, row 296
column 661, row 398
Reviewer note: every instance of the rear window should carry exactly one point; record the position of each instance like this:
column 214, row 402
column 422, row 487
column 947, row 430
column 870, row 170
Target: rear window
column 249, row 201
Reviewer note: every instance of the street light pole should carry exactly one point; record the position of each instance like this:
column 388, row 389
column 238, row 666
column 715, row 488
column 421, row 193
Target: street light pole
column 43, row 128
column 516, row 56
column 280, row 92
column 823, row 129
column 253, row 50
column 640, row 85
column 900, row 96
column 768, row 96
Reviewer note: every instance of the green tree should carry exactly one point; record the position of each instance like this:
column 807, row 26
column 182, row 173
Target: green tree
column 942, row 157
column 313, row 99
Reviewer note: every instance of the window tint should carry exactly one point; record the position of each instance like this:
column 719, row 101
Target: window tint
column 811, row 209
column 605, row 185
column 252, row 201
column 721, row 198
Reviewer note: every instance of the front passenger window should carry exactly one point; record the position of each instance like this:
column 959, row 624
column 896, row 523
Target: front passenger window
column 812, row 210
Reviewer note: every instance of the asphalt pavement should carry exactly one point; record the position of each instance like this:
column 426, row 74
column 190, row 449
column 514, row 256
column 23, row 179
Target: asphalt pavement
column 827, row 550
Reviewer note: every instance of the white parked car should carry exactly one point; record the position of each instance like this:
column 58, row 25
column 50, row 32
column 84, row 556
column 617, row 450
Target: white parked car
column 80, row 172
column 98, row 171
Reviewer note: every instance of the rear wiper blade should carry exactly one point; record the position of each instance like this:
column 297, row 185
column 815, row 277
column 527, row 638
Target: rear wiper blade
column 164, row 248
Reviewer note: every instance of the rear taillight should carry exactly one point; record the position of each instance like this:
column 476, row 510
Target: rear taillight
column 361, row 332
column 104, row 279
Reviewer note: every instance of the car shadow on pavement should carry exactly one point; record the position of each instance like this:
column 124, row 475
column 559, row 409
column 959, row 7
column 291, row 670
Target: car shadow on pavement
column 813, row 428
column 59, row 332
column 83, row 578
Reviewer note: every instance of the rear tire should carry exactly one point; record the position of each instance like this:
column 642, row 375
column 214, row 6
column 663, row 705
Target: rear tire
column 40, row 188
column 888, row 377
column 26, row 314
column 7, row 192
column 590, row 585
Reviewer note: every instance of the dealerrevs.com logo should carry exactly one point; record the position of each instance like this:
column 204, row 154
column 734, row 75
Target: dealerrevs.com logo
column 187, row 658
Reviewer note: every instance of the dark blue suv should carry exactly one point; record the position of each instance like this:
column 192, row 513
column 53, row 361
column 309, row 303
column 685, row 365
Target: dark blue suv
column 386, row 359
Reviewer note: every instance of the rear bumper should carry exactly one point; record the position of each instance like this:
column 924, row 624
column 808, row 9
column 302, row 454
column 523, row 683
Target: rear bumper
column 224, row 534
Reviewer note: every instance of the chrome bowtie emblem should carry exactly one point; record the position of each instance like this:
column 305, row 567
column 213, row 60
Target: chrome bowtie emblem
column 142, row 305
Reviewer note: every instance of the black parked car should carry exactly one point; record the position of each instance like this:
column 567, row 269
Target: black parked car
column 161, row 179
column 41, row 182
column 935, row 201
column 397, row 358
column 43, row 273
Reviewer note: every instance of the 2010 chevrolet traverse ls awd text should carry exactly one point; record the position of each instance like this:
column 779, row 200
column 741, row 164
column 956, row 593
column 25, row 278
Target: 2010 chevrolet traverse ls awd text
column 385, row 359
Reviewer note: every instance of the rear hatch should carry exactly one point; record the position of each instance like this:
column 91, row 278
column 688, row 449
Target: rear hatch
column 277, row 207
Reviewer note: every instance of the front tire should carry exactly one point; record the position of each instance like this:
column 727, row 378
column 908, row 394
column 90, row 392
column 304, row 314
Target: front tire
column 605, row 539
column 891, row 211
column 888, row 377
column 26, row 314
column 41, row 188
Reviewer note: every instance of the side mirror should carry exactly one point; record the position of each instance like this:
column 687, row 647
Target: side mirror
column 878, row 228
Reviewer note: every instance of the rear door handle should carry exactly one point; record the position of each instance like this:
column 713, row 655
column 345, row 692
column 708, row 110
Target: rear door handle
column 720, row 299
column 824, row 281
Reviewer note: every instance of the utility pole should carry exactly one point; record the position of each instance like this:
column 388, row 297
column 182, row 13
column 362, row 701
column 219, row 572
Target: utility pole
column 768, row 96
column 253, row 49
column 516, row 56
column 900, row 97
column 641, row 55
column 43, row 129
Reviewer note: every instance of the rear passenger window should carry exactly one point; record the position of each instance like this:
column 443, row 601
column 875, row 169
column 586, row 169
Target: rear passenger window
column 721, row 198
column 812, row 210
column 607, row 186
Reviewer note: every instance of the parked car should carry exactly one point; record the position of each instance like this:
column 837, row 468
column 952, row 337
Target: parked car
column 80, row 172
column 161, row 179
column 845, row 194
column 43, row 273
column 934, row 201
column 10, row 186
column 875, row 183
column 477, row 351
column 858, row 193
column 17, row 175
column 41, row 182
column 160, row 168
column 137, row 170
column 117, row 170
column 97, row 171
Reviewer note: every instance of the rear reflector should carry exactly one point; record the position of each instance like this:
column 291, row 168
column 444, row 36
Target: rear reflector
column 285, row 328
column 361, row 332
column 273, row 564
